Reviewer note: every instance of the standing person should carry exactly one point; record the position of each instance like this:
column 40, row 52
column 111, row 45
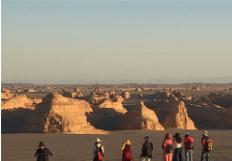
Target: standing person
column 126, row 151
column 207, row 146
column 167, row 146
column 146, row 152
column 188, row 144
column 42, row 153
column 98, row 150
column 178, row 154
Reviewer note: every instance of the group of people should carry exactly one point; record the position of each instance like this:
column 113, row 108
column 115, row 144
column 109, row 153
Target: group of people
column 174, row 149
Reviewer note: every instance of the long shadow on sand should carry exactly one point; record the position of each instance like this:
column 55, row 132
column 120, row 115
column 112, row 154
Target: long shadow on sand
column 106, row 119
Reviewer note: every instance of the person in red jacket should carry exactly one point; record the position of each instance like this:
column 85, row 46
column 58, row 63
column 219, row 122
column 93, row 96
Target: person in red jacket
column 126, row 151
column 188, row 144
column 167, row 147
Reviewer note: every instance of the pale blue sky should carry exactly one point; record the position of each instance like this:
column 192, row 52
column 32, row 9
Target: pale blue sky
column 116, row 42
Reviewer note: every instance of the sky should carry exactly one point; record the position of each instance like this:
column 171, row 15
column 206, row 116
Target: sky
column 116, row 41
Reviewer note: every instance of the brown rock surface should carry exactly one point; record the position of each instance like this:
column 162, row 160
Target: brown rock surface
column 172, row 110
column 115, row 105
column 142, row 117
column 68, row 115
column 177, row 117
column 19, row 102
column 6, row 94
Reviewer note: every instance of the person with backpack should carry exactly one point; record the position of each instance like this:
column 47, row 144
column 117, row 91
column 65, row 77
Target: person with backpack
column 98, row 150
column 146, row 152
column 207, row 146
column 188, row 144
column 167, row 146
column 126, row 151
column 178, row 151
column 42, row 153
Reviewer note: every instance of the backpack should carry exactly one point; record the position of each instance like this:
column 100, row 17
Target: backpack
column 208, row 145
column 168, row 149
column 190, row 143
column 100, row 155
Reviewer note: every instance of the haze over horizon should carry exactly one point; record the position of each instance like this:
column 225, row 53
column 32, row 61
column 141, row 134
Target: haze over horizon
column 116, row 42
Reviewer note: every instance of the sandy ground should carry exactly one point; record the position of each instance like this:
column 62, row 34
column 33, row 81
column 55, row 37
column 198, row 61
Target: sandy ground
column 21, row 147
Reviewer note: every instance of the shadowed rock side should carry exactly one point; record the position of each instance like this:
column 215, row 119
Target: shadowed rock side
column 220, row 99
column 105, row 118
column 177, row 117
column 17, row 120
column 210, row 117
column 141, row 117
column 56, row 114
column 24, row 119
column 68, row 115
column 171, row 110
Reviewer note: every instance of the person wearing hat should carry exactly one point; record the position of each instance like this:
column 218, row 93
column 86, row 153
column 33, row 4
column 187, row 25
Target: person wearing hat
column 178, row 153
column 147, row 148
column 188, row 144
column 206, row 144
column 42, row 153
column 126, row 151
column 98, row 150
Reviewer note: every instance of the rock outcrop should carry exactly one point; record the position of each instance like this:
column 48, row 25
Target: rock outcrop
column 19, row 102
column 126, row 95
column 177, row 117
column 149, row 118
column 6, row 94
column 173, row 111
column 68, row 115
column 115, row 105
column 142, row 117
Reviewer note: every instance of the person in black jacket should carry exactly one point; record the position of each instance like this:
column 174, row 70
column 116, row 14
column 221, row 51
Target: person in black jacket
column 178, row 152
column 146, row 152
column 42, row 153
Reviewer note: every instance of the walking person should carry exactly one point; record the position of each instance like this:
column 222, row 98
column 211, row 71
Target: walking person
column 98, row 151
column 178, row 153
column 146, row 152
column 207, row 146
column 167, row 147
column 126, row 151
column 188, row 144
column 42, row 153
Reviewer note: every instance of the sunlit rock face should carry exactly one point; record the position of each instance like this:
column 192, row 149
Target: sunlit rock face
column 67, row 115
column 6, row 94
column 141, row 117
column 173, row 110
column 115, row 105
column 20, row 102
column 177, row 117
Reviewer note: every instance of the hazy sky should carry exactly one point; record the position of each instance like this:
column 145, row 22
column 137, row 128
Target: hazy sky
column 116, row 41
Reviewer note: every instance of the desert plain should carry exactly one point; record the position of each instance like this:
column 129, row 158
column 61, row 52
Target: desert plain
column 21, row 147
